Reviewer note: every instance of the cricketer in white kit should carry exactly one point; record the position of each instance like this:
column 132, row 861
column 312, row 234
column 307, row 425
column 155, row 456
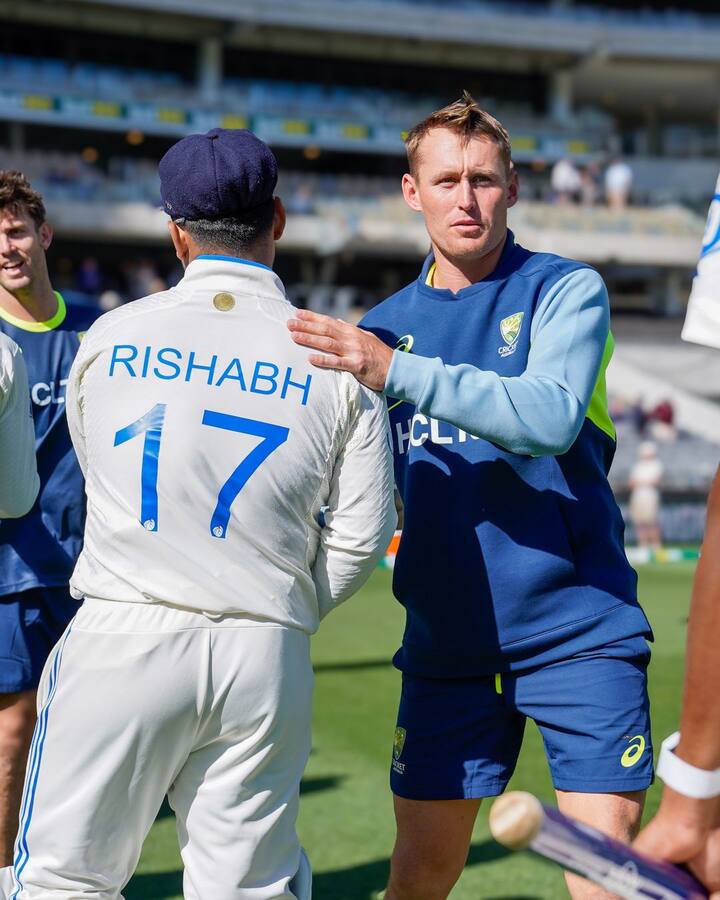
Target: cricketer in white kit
column 235, row 496
column 19, row 482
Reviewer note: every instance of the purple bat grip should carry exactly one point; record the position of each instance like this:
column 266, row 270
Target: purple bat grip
column 614, row 865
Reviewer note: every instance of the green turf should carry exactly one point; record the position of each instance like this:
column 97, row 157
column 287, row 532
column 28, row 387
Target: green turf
column 346, row 820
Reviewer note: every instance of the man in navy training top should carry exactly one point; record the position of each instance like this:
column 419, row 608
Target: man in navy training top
column 38, row 551
column 520, row 601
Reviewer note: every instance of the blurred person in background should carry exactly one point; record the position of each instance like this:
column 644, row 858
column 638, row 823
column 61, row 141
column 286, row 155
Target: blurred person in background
column 661, row 421
column 618, row 184
column 590, row 184
column 110, row 300
column 493, row 362
column 644, row 507
column 89, row 278
column 19, row 482
column 143, row 279
column 565, row 181
column 39, row 550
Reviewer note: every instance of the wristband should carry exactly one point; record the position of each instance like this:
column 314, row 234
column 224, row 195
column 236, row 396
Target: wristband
column 681, row 776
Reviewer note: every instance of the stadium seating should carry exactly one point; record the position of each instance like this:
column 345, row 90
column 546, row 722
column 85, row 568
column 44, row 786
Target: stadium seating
column 392, row 109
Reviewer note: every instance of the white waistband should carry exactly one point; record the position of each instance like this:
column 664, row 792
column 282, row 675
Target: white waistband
column 113, row 615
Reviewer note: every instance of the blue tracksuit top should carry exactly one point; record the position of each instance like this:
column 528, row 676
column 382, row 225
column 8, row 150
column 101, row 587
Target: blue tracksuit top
column 512, row 551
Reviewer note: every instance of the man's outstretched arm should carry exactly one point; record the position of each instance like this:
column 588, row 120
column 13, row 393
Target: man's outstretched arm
column 539, row 412
column 685, row 829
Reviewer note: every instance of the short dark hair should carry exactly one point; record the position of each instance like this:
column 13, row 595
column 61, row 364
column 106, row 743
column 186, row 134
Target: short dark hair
column 463, row 117
column 16, row 194
column 235, row 235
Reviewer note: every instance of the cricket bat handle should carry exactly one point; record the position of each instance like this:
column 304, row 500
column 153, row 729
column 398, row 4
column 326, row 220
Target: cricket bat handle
column 519, row 821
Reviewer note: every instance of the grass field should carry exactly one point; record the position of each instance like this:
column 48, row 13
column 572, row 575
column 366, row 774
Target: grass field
column 346, row 821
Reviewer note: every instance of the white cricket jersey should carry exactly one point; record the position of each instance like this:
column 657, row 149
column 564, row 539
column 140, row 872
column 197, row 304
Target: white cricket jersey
column 702, row 319
column 19, row 482
column 223, row 472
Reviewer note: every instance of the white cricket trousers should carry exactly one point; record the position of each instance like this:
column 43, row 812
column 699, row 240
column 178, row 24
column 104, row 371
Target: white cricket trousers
column 140, row 700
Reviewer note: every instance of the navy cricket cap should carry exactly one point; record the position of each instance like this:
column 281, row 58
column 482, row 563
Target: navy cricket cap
column 216, row 175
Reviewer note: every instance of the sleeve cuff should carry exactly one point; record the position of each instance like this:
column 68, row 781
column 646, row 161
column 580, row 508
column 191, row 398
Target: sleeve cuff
column 407, row 376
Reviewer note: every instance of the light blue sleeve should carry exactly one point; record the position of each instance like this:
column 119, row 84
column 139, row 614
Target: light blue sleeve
column 540, row 412
column 19, row 481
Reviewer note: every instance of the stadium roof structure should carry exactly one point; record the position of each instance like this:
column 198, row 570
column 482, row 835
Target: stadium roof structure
column 563, row 30
column 635, row 57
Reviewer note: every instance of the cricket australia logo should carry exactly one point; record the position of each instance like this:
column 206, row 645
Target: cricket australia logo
column 510, row 331
column 398, row 744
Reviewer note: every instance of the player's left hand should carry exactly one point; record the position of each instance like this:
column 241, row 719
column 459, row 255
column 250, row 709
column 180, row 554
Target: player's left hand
column 685, row 830
column 343, row 346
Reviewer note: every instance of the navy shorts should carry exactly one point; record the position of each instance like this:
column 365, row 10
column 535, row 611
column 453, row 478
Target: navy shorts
column 31, row 623
column 460, row 738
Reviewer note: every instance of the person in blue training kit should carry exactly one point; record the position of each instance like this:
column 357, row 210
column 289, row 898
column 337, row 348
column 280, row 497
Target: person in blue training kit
column 38, row 551
column 520, row 601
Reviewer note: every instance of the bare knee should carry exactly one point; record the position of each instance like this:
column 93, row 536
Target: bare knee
column 423, row 877
column 432, row 844
column 617, row 815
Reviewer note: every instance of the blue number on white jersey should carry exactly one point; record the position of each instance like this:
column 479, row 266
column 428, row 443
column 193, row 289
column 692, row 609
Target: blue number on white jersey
column 272, row 437
column 151, row 424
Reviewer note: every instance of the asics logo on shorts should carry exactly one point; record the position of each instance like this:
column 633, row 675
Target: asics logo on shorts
column 633, row 752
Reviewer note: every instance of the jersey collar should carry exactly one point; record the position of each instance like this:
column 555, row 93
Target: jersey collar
column 501, row 270
column 48, row 325
column 222, row 272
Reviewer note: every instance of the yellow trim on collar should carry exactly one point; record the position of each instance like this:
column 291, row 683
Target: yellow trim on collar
column 48, row 325
column 430, row 275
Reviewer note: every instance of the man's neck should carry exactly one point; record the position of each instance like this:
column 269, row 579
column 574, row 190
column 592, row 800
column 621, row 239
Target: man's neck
column 455, row 274
column 263, row 255
column 33, row 304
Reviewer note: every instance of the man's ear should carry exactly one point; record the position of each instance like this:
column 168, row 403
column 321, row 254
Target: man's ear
column 45, row 233
column 279, row 219
column 180, row 242
column 410, row 192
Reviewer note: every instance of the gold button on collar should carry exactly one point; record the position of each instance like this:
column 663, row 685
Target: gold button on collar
column 223, row 301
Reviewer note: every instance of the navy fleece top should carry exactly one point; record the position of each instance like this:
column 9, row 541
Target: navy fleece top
column 512, row 551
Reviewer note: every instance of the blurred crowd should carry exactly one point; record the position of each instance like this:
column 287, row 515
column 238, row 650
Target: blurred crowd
column 654, row 422
column 660, row 473
column 81, row 177
column 110, row 287
column 591, row 184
